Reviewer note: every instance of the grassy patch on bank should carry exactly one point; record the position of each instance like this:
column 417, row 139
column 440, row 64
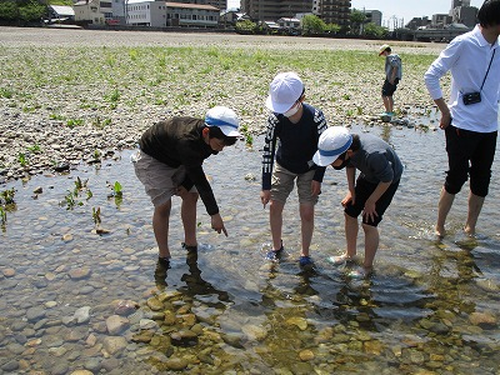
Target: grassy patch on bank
column 106, row 79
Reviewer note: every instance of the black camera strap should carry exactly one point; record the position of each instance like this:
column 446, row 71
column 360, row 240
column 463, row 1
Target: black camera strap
column 489, row 66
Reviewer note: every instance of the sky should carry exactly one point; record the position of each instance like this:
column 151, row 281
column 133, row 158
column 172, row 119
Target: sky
column 407, row 9
column 401, row 10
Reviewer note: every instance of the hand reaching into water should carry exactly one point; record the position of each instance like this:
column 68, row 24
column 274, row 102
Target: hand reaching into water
column 218, row 224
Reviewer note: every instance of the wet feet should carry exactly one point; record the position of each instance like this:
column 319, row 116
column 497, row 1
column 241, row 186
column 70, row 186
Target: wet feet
column 275, row 255
column 340, row 259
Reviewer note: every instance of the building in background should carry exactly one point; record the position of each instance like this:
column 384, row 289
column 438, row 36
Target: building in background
column 192, row 15
column 60, row 14
column 93, row 11
column 373, row 16
column 161, row 14
column 462, row 12
column 333, row 11
column 220, row 4
column 272, row 10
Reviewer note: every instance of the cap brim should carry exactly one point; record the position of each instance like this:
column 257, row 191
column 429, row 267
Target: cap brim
column 277, row 107
column 229, row 131
column 324, row 161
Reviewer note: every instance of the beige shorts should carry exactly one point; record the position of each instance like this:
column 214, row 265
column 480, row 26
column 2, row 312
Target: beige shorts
column 160, row 180
column 282, row 185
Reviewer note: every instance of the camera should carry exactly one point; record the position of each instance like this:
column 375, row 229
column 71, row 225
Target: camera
column 471, row 98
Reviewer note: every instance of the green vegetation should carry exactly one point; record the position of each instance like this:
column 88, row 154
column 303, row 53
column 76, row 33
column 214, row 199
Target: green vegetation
column 7, row 204
column 21, row 12
column 178, row 79
column 313, row 25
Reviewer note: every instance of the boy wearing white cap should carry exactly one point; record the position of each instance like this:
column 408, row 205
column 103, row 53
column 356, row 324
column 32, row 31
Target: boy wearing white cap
column 393, row 73
column 370, row 194
column 293, row 130
column 170, row 163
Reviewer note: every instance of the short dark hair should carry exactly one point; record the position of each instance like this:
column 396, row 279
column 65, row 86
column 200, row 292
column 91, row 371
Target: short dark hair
column 489, row 14
column 388, row 49
column 356, row 143
column 216, row 132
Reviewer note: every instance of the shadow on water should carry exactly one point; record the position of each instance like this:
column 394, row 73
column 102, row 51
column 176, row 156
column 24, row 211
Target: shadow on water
column 80, row 287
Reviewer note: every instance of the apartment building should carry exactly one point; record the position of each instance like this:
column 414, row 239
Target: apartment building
column 333, row 11
column 272, row 10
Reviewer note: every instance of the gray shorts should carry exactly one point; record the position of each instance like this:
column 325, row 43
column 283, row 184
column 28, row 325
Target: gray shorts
column 282, row 185
column 160, row 180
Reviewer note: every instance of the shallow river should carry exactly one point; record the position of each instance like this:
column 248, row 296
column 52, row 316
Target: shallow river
column 80, row 288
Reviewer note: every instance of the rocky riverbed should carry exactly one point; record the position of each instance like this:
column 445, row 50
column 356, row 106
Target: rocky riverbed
column 72, row 95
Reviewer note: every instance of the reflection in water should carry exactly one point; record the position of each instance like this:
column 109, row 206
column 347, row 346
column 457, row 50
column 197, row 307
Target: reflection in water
column 195, row 285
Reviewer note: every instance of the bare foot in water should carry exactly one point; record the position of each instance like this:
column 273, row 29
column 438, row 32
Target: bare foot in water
column 440, row 232
column 469, row 231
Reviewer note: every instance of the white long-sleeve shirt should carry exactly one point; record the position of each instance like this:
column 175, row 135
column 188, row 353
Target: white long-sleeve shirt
column 467, row 58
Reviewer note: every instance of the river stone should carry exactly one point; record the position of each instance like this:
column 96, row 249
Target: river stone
column 10, row 366
column 114, row 344
column 184, row 337
column 154, row 304
column 254, row 332
column 176, row 364
column 82, row 315
column 79, row 273
column 115, row 324
column 9, row 272
column 147, row 324
column 301, row 323
column 483, row 319
column 125, row 307
column 233, row 339
column 306, row 355
column 35, row 313
column 82, row 372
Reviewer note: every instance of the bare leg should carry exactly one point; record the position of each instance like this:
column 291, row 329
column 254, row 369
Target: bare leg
column 276, row 221
column 386, row 103
column 307, row 227
column 391, row 104
column 444, row 206
column 371, row 245
column 351, row 234
column 161, row 216
column 188, row 214
column 475, row 205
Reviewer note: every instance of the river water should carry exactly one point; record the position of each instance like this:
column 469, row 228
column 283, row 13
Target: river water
column 80, row 288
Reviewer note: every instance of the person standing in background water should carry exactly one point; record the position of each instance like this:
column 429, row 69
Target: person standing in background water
column 393, row 74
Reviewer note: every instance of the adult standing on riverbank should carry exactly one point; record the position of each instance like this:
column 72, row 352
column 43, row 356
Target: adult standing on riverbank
column 170, row 163
column 393, row 73
column 470, row 119
column 293, row 130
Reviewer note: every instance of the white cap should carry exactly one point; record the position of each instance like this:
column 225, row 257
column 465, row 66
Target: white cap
column 383, row 48
column 284, row 91
column 332, row 143
column 225, row 119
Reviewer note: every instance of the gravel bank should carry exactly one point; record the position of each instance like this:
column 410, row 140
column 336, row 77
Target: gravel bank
column 35, row 112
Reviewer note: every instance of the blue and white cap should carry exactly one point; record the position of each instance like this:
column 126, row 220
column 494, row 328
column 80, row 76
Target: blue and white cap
column 332, row 143
column 225, row 119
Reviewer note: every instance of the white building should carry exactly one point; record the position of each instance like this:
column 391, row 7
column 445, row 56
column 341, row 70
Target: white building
column 162, row 14
column 146, row 13
column 93, row 11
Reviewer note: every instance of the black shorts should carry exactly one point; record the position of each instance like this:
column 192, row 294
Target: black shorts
column 388, row 88
column 470, row 154
column 363, row 190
